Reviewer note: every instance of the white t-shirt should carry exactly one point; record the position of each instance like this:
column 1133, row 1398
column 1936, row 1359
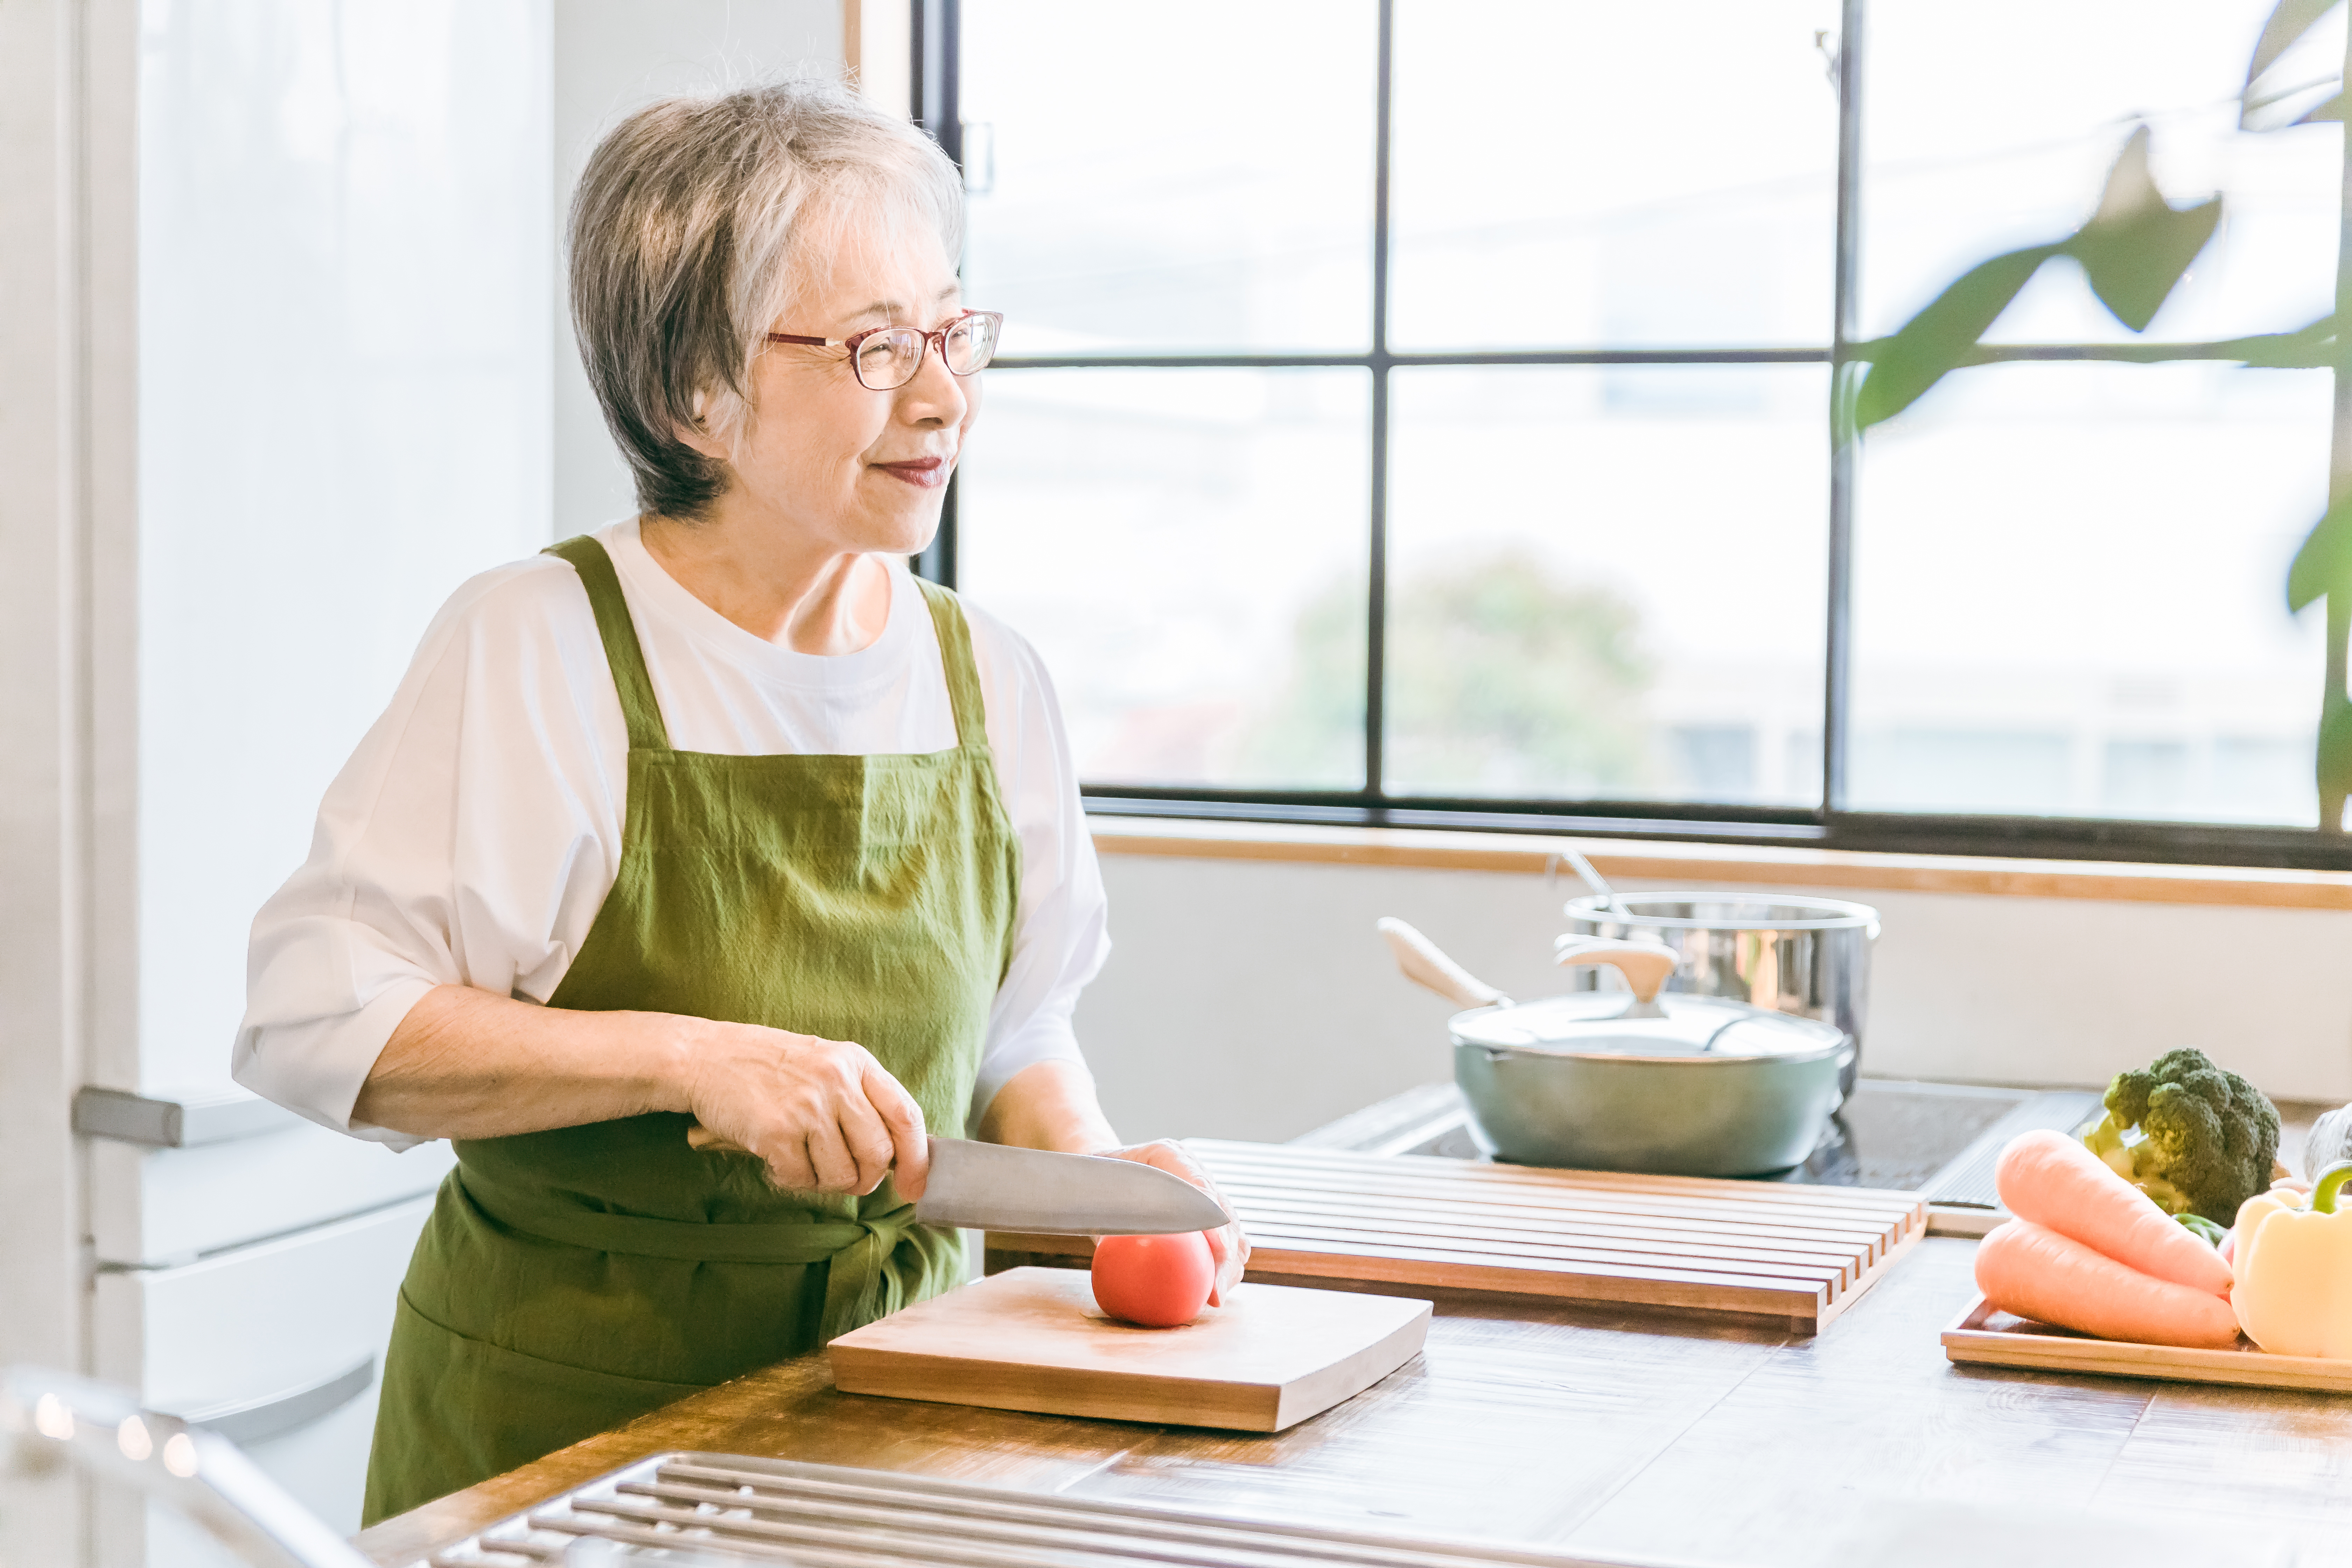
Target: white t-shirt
column 473, row 836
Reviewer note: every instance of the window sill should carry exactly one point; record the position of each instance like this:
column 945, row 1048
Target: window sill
column 1708, row 863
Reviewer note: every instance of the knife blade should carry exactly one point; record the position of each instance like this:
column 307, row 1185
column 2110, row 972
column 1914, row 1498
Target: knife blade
column 988, row 1186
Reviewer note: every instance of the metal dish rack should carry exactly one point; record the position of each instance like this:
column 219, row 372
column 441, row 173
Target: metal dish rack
column 693, row 1510
column 721, row 1508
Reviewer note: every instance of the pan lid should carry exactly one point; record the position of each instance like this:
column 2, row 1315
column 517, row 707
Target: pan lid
column 1594, row 1024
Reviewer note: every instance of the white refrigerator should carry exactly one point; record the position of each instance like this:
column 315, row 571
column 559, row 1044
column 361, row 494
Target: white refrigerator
column 346, row 296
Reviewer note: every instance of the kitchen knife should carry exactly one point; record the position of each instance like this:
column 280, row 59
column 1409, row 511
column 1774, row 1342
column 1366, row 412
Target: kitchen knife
column 988, row 1186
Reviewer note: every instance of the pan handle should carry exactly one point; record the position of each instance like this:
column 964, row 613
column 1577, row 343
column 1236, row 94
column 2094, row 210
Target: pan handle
column 1645, row 967
column 1425, row 964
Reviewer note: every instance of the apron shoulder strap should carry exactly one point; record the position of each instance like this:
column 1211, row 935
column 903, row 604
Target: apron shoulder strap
column 955, row 653
column 639, row 707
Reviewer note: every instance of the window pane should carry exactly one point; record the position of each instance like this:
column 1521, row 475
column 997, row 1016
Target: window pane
column 1976, row 144
column 2069, row 595
column 1186, row 550
column 1608, row 582
column 1152, row 177
column 1579, row 173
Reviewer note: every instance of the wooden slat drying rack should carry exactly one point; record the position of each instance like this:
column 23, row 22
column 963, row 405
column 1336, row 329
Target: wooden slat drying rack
column 1419, row 1223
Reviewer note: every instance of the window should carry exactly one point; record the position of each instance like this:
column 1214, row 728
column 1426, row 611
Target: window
column 1421, row 411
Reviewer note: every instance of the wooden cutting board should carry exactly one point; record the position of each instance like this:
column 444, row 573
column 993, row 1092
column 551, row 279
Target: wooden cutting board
column 1032, row 1339
column 1693, row 1243
column 1990, row 1337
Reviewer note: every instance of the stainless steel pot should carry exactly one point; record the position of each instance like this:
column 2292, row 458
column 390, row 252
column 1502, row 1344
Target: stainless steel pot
column 1809, row 958
column 1672, row 1085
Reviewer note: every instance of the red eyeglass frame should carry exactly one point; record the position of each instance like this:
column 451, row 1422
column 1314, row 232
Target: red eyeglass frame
column 936, row 335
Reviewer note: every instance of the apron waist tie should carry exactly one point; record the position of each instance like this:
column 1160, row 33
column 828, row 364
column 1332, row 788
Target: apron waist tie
column 852, row 1251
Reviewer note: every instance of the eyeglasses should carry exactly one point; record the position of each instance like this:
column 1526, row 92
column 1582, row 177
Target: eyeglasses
column 886, row 358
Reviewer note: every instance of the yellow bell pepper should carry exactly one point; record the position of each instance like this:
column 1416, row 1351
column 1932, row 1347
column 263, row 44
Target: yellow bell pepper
column 2293, row 1294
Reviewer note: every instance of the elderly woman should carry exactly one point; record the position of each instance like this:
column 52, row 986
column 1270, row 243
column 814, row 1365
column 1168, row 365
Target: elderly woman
column 716, row 816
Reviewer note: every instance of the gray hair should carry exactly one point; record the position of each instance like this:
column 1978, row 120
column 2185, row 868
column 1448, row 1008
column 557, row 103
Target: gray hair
column 697, row 222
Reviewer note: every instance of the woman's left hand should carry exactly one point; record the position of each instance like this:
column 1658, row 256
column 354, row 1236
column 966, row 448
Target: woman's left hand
column 1228, row 1248
column 1051, row 1105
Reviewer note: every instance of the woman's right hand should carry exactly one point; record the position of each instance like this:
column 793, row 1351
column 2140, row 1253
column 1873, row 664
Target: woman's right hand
column 823, row 1115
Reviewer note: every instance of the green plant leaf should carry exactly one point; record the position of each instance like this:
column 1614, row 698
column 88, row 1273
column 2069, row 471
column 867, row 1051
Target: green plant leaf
column 2137, row 245
column 2289, row 20
column 1933, row 343
column 2323, row 565
column 2305, row 348
column 2335, row 759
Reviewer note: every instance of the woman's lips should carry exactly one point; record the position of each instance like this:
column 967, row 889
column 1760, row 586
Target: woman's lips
column 923, row 473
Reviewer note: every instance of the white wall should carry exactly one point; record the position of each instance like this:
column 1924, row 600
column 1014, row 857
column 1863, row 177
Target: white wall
column 343, row 392
column 1246, row 999
column 350, row 340
column 611, row 57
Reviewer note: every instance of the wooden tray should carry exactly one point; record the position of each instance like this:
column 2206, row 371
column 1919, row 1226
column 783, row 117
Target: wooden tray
column 1754, row 1249
column 1989, row 1337
column 1034, row 1340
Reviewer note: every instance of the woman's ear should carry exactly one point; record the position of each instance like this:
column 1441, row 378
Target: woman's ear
column 698, row 434
column 702, row 441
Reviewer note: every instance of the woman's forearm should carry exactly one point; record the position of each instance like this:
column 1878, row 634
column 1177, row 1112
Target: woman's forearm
column 1049, row 1105
column 466, row 1063
column 823, row 1115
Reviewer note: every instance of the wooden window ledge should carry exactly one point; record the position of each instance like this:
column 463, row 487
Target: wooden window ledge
column 1705, row 864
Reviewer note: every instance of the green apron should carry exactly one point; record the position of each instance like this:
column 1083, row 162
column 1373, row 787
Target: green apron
column 570, row 1279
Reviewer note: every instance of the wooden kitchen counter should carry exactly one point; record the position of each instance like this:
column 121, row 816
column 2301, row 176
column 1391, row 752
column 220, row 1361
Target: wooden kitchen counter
column 1620, row 1433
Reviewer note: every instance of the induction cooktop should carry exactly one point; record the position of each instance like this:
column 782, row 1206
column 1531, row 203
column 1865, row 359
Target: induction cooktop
column 1939, row 1139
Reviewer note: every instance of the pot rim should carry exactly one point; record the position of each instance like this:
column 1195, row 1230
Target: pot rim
column 1779, row 1059
column 1827, row 1050
column 1839, row 914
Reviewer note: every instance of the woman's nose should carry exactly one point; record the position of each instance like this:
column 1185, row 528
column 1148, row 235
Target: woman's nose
column 935, row 396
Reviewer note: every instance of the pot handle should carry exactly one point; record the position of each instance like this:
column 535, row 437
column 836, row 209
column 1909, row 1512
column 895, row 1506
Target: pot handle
column 1645, row 967
column 1425, row 964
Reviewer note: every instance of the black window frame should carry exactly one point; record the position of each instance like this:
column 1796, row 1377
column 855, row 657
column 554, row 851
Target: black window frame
column 936, row 35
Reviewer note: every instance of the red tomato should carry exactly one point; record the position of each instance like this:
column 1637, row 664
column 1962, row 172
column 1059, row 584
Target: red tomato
column 1158, row 1281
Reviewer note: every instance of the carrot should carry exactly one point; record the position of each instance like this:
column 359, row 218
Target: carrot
column 2034, row 1272
column 2053, row 1181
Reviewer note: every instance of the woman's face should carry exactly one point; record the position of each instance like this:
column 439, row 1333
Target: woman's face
column 845, row 467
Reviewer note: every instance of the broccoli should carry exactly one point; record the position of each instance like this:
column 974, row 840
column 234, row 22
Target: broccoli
column 2192, row 1137
column 2203, row 1229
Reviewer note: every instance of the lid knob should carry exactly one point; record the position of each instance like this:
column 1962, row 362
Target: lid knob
column 1645, row 967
